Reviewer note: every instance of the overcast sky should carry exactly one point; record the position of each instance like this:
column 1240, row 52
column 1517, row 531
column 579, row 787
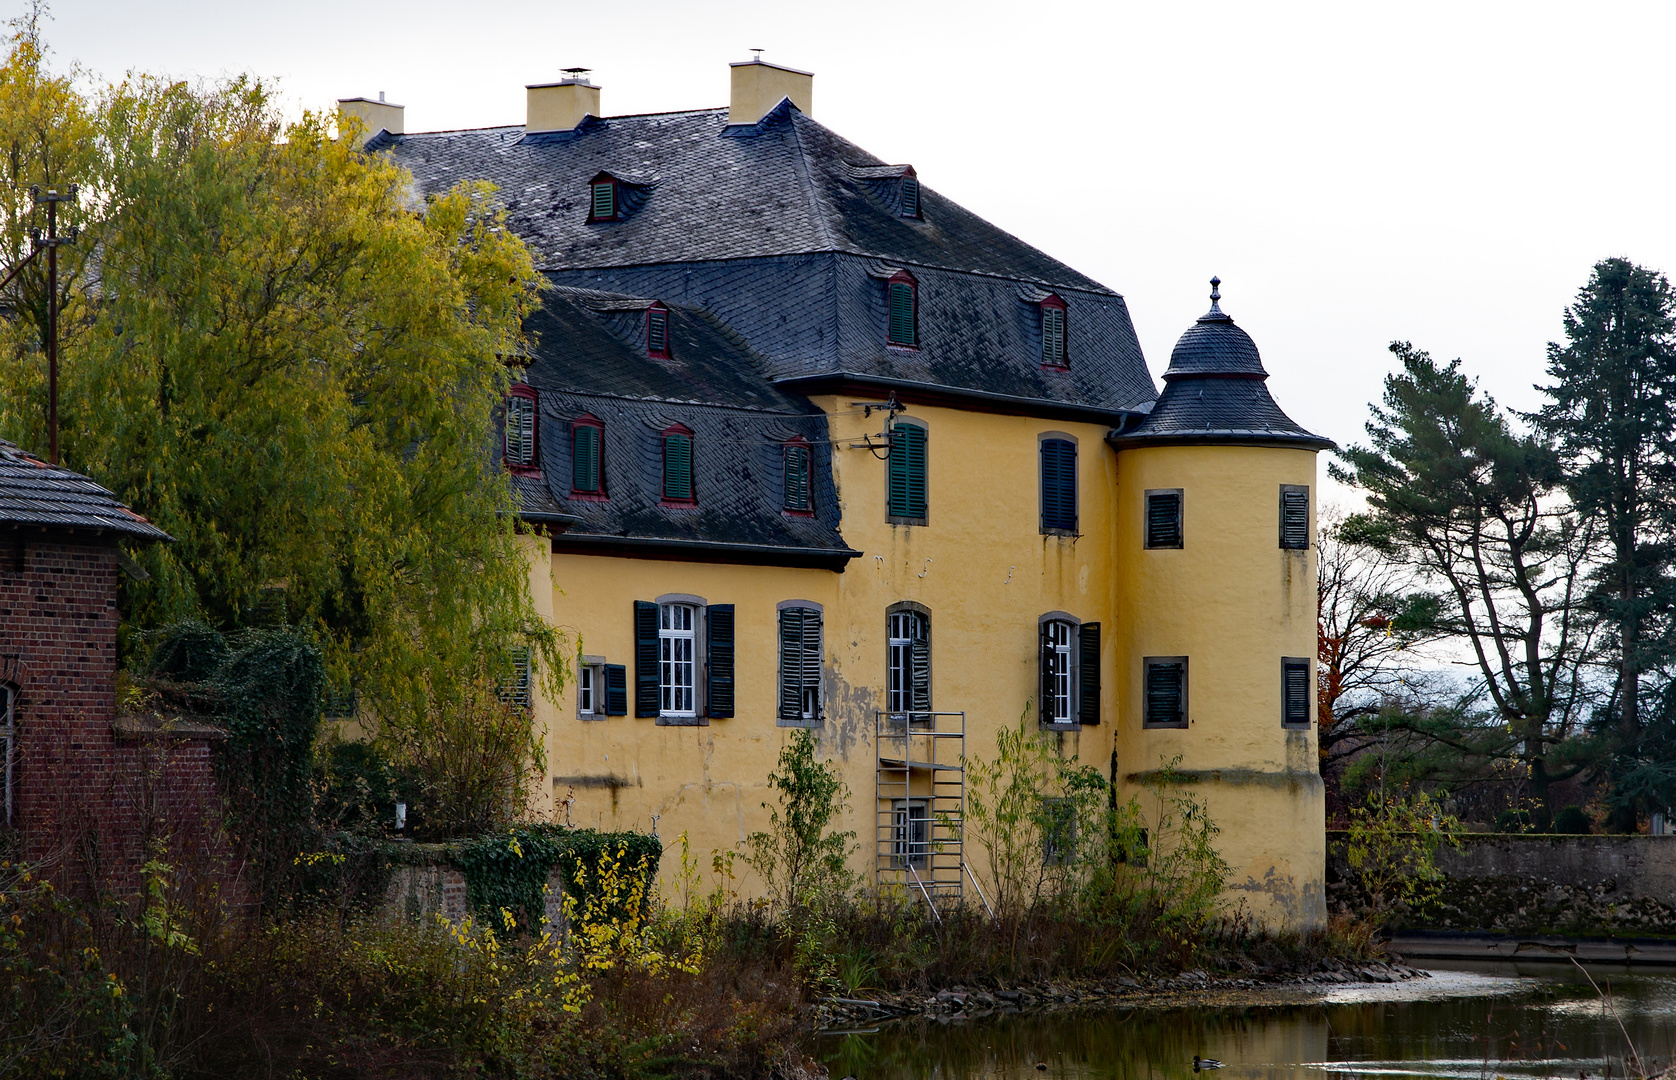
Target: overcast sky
column 1441, row 173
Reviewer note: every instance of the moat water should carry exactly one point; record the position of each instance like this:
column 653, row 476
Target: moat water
column 1467, row 1022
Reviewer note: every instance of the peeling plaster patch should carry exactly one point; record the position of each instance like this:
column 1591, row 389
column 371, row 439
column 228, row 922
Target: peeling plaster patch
column 849, row 711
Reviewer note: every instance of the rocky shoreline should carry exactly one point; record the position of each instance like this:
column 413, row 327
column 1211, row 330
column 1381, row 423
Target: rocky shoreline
column 959, row 1003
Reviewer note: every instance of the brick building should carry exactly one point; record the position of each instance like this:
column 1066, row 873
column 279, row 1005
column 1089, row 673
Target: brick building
column 83, row 789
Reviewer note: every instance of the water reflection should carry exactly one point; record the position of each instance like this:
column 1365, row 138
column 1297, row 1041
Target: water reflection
column 1473, row 1023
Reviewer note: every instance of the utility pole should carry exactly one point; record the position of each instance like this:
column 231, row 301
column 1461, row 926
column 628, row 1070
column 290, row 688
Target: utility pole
column 52, row 197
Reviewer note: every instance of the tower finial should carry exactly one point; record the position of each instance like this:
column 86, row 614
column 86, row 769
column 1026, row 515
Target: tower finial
column 1215, row 294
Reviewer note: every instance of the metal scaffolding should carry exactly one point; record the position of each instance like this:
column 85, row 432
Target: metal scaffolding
column 921, row 801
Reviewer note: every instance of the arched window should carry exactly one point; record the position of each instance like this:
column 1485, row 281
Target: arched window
column 907, row 658
column 520, row 427
column 678, row 465
column 587, row 442
column 1054, row 351
column 1070, row 670
column 903, row 328
column 800, row 662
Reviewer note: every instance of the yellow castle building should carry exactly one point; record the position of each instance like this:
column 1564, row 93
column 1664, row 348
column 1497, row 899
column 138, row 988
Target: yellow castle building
column 805, row 445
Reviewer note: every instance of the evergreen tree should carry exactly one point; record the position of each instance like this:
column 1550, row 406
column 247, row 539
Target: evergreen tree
column 1478, row 509
column 1612, row 418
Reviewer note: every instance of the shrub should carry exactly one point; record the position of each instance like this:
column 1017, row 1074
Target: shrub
column 1571, row 820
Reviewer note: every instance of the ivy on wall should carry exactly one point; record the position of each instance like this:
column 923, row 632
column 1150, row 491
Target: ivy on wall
column 508, row 872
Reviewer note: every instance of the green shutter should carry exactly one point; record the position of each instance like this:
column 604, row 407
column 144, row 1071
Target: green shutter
column 797, row 477
column 1088, row 673
column 1163, row 694
column 902, row 314
column 645, row 658
column 678, row 467
column 910, row 197
column 1059, row 484
column 1053, row 336
column 616, row 690
column 907, row 471
column 584, row 465
column 1294, row 517
column 605, row 202
column 718, row 661
column 657, row 331
column 520, row 430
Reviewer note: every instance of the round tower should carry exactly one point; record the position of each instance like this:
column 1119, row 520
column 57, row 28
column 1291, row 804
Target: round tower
column 1216, row 616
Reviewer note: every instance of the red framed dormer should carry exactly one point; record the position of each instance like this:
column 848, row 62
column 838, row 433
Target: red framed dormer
column 798, row 463
column 605, row 199
column 519, row 450
column 587, row 459
column 678, row 486
column 657, row 331
column 902, row 325
column 1056, row 348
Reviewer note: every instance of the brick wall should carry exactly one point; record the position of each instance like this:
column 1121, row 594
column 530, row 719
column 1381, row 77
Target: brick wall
column 85, row 801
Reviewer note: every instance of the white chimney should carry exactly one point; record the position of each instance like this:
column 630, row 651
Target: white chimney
column 759, row 86
column 560, row 106
column 375, row 116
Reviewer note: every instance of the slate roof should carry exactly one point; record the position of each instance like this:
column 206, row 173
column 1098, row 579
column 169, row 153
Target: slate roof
column 1214, row 392
column 591, row 360
column 33, row 493
column 781, row 230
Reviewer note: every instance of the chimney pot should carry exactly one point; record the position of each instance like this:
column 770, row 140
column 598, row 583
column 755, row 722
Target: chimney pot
column 375, row 116
column 758, row 86
column 562, row 105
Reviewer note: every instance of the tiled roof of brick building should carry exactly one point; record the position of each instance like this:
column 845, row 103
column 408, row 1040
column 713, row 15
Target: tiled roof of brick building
column 36, row 494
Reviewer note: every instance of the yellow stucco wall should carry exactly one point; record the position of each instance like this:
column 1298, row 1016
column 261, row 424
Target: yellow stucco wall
column 1234, row 603
column 1231, row 600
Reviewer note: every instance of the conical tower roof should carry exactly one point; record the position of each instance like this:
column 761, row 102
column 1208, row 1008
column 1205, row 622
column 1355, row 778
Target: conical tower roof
column 1214, row 392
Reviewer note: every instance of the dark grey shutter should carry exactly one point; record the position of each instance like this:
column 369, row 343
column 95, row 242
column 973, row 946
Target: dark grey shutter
column 584, row 464
column 1163, row 694
column 1059, row 484
column 718, row 660
column 809, row 675
column 920, row 659
column 1163, row 519
column 901, row 314
column 1294, row 691
column 645, row 658
column 616, row 690
column 1044, row 661
column 1088, row 673
column 605, row 202
column 791, row 669
column 677, row 467
column 1053, row 336
column 1294, row 517
column 657, row 331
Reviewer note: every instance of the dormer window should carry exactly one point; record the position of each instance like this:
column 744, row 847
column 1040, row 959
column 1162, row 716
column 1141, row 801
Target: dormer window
column 910, row 196
column 798, row 488
column 1054, row 351
column 904, row 311
column 520, row 428
column 602, row 204
column 657, row 332
column 586, row 441
column 678, row 465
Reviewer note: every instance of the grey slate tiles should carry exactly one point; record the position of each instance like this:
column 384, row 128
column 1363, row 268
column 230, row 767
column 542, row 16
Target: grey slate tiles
column 34, row 494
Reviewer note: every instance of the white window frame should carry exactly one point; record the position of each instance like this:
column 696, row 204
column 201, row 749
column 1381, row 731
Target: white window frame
column 590, row 688
column 899, row 659
column 1063, row 642
column 910, row 844
column 678, row 660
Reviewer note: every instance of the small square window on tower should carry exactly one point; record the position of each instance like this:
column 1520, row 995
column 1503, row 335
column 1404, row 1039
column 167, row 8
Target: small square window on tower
column 1294, row 516
column 1163, row 518
column 1294, row 691
column 1164, row 696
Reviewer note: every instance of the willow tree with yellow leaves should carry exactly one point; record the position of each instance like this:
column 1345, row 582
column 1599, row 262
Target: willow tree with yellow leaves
column 278, row 353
